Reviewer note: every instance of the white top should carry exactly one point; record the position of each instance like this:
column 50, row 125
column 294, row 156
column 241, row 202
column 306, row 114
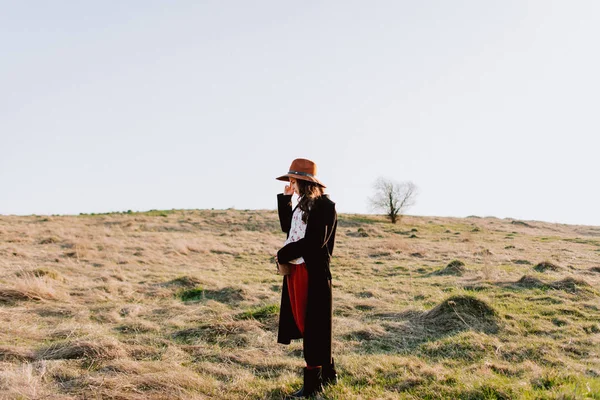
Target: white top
column 297, row 232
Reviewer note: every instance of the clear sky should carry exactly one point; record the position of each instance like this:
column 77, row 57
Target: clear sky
column 491, row 107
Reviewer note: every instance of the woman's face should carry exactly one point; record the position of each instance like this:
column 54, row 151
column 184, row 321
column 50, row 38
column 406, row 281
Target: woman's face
column 294, row 185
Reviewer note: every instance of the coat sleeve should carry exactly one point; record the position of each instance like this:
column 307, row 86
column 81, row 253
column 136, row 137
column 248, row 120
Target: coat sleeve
column 284, row 208
column 319, row 228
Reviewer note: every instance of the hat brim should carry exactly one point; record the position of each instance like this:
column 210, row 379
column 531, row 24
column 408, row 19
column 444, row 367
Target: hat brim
column 286, row 178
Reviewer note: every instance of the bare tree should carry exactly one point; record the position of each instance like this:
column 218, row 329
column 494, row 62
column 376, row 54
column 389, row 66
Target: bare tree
column 393, row 198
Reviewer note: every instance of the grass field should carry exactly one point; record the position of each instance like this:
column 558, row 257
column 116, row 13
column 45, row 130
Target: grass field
column 183, row 305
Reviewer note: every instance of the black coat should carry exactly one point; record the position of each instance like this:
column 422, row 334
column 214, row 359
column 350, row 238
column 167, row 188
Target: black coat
column 316, row 248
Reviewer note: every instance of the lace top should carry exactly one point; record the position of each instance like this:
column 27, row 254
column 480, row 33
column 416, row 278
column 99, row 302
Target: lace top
column 297, row 232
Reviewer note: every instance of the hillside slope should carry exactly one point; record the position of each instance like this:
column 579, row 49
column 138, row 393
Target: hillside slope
column 182, row 304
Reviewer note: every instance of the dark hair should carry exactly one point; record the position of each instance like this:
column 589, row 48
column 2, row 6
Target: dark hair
column 309, row 192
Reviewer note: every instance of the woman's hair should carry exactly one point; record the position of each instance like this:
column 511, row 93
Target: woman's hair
column 309, row 191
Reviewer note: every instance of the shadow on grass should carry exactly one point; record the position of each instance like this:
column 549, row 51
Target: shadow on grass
column 277, row 394
column 260, row 367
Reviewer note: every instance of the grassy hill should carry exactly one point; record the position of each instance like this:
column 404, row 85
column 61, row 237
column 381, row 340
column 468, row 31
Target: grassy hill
column 183, row 305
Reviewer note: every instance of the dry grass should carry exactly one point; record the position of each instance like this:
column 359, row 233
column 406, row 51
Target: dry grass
column 183, row 305
column 89, row 348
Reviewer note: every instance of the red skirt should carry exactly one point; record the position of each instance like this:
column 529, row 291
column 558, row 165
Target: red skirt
column 297, row 283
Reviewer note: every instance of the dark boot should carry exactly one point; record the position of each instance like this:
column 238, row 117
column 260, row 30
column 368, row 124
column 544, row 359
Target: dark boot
column 313, row 383
column 329, row 374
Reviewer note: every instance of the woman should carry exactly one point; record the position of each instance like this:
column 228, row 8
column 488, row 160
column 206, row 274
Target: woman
column 306, row 303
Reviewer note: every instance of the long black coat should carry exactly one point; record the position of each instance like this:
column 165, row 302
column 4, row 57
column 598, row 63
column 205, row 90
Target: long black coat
column 316, row 248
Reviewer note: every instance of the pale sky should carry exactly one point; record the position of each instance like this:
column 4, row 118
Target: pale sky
column 491, row 108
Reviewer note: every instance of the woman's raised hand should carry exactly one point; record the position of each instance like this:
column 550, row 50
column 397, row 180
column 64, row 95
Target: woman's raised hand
column 289, row 190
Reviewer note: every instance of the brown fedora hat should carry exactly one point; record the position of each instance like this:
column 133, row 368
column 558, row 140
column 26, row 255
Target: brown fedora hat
column 303, row 169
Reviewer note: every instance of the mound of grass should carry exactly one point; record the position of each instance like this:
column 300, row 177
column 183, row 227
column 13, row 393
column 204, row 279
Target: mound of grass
column 84, row 348
column 379, row 254
column 530, row 282
column 521, row 223
column 260, row 313
column 478, row 287
column 455, row 267
column 11, row 296
column 49, row 240
column 194, row 294
column 545, row 266
column 483, row 253
column 58, row 312
column 364, row 307
column 550, row 380
column 572, row 285
column 559, row 322
column 137, row 327
column 359, row 233
column 225, row 295
column 460, row 313
column 595, row 269
column 363, row 335
column 592, row 328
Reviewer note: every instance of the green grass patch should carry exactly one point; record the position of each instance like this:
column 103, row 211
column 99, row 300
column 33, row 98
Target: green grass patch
column 260, row 313
column 488, row 392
